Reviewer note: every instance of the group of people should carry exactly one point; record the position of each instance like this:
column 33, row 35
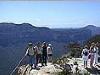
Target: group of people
column 90, row 53
column 42, row 53
column 39, row 53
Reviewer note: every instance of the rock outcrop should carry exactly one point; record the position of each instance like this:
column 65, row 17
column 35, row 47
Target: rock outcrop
column 50, row 69
column 70, row 68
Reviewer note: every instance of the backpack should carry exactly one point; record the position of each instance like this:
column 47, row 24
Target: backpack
column 31, row 51
column 85, row 53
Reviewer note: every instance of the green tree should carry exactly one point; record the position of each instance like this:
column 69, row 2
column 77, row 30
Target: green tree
column 74, row 49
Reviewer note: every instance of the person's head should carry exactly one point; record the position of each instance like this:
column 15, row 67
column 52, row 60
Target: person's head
column 85, row 46
column 30, row 44
column 49, row 45
column 38, row 44
column 44, row 43
column 97, row 44
column 93, row 44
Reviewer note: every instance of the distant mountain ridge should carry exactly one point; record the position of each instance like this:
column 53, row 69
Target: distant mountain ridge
column 27, row 32
column 95, row 30
column 15, row 37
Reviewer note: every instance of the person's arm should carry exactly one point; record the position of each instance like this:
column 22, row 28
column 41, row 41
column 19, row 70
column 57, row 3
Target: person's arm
column 52, row 48
column 90, row 50
column 97, row 50
column 82, row 52
column 47, row 50
column 26, row 52
column 35, row 50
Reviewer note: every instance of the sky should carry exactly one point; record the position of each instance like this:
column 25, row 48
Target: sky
column 52, row 14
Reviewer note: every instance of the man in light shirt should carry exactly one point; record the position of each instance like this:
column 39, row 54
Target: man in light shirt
column 31, row 53
column 49, row 52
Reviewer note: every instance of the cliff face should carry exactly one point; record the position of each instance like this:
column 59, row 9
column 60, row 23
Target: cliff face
column 64, row 68
column 55, row 69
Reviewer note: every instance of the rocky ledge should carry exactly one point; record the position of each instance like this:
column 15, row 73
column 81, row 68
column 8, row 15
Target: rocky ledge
column 64, row 68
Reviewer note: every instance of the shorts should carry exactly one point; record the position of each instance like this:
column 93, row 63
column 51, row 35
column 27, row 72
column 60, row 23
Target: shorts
column 85, row 58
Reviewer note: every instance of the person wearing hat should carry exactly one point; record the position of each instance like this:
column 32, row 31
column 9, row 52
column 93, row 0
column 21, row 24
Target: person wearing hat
column 44, row 54
column 92, row 52
column 85, row 54
column 96, row 50
column 49, row 52
column 31, row 53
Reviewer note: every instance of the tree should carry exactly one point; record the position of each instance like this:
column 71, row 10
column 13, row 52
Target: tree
column 74, row 49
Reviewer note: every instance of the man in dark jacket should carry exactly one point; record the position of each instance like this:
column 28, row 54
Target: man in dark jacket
column 44, row 54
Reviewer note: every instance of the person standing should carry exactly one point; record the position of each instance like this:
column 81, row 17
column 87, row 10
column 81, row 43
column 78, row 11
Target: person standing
column 92, row 54
column 96, row 54
column 44, row 54
column 85, row 54
column 49, row 52
column 38, row 50
column 31, row 53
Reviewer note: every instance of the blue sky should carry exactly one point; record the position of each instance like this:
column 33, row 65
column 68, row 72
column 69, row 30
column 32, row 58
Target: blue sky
column 54, row 14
